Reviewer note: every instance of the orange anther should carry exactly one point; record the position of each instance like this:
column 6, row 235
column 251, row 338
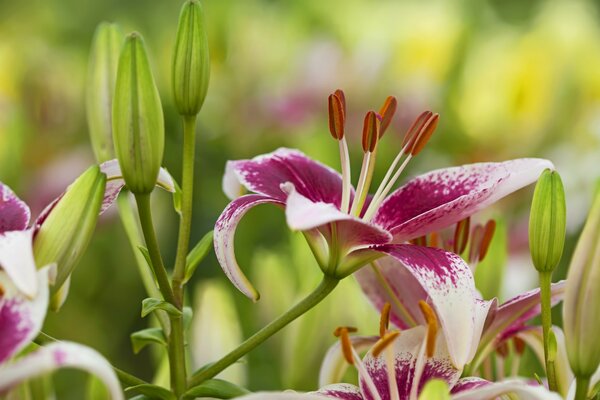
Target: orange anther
column 414, row 129
column 384, row 320
column 349, row 329
column 337, row 116
column 340, row 93
column 425, row 134
column 432, row 326
column 434, row 239
column 461, row 235
column 519, row 345
column 488, row 234
column 370, row 134
column 387, row 112
column 343, row 333
column 384, row 342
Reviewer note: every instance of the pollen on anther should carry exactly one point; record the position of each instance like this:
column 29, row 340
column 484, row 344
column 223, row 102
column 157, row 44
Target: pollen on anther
column 461, row 235
column 371, row 127
column 384, row 343
column 337, row 116
column 387, row 112
column 488, row 234
column 384, row 320
column 425, row 134
column 341, row 329
column 2, row 291
column 340, row 94
column 432, row 326
column 415, row 128
column 343, row 333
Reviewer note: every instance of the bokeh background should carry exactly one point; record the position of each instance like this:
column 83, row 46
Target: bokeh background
column 510, row 78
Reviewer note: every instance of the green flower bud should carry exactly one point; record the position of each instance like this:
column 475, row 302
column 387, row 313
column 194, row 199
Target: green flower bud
column 138, row 125
column 66, row 231
column 547, row 222
column 581, row 306
column 191, row 63
column 102, row 72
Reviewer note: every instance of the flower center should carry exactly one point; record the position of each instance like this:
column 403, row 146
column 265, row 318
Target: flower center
column 374, row 126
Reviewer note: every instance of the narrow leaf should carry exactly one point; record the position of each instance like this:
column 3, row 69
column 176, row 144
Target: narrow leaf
column 146, row 255
column 197, row 254
column 141, row 339
column 151, row 304
column 216, row 388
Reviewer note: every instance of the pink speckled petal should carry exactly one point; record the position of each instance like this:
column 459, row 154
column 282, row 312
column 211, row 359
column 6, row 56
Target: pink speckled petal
column 60, row 355
column 224, row 235
column 443, row 197
column 406, row 350
column 342, row 391
column 14, row 213
column 264, row 175
column 16, row 259
column 512, row 315
column 441, row 278
column 303, row 214
column 21, row 317
column 287, row 395
column 479, row 389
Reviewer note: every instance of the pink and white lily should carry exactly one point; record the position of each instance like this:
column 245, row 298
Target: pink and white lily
column 346, row 229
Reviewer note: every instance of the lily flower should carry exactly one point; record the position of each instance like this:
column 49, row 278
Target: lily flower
column 399, row 364
column 347, row 229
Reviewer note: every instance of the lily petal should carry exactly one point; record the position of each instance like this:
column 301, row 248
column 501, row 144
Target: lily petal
column 21, row 318
column 406, row 350
column 60, row 355
column 16, row 259
column 443, row 197
column 342, row 391
column 14, row 213
column 479, row 389
column 289, row 395
column 334, row 364
column 266, row 173
column 439, row 277
column 115, row 182
column 302, row 214
column 224, row 240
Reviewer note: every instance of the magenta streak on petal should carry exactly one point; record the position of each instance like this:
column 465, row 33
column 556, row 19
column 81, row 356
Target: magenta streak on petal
column 14, row 213
column 60, row 357
column 15, row 327
column 341, row 391
column 440, row 198
column 468, row 384
column 264, row 174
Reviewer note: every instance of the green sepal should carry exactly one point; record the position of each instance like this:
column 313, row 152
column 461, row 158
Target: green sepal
column 547, row 222
column 216, row 388
column 141, row 339
column 151, row 304
column 152, row 391
column 435, row 389
column 197, row 254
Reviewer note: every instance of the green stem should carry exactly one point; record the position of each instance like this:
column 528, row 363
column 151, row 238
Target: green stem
column 583, row 385
column 126, row 378
column 187, row 195
column 145, row 213
column 176, row 344
column 325, row 287
column 545, row 293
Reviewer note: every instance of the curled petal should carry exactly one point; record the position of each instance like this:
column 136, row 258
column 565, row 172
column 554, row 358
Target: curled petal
column 16, row 259
column 115, row 182
column 60, row 355
column 231, row 184
column 303, row 214
column 266, row 173
column 334, row 364
column 406, row 352
column 479, row 389
column 224, row 240
column 443, row 197
column 14, row 213
column 441, row 278
column 21, row 317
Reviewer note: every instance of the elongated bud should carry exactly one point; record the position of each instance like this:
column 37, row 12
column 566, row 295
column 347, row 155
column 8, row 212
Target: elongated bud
column 387, row 112
column 371, row 128
column 138, row 126
column 582, row 298
column 100, row 88
column 337, row 116
column 65, row 233
column 191, row 61
column 547, row 222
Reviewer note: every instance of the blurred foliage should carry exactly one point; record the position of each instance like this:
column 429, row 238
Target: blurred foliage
column 509, row 78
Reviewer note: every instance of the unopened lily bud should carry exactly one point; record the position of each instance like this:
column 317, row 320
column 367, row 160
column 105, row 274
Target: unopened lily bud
column 191, row 62
column 65, row 232
column 100, row 88
column 547, row 222
column 138, row 125
column 582, row 298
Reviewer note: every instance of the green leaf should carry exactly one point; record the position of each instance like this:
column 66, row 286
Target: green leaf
column 216, row 388
column 141, row 339
column 152, row 391
column 197, row 254
column 146, row 255
column 188, row 313
column 151, row 304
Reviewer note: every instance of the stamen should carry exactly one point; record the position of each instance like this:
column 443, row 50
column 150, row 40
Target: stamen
column 2, row 291
column 432, row 326
column 343, row 334
column 420, row 241
column 387, row 112
column 488, row 234
column 371, row 128
column 370, row 137
column 425, row 134
column 519, row 345
column 415, row 128
column 340, row 94
column 346, row 175
column 502, row 350
column 390, row 366
column 384, row 320
column 434, row 239
column 476, row 238
column 337, row 117
column 419, row 368
column 384, row 342
column 461, row 235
